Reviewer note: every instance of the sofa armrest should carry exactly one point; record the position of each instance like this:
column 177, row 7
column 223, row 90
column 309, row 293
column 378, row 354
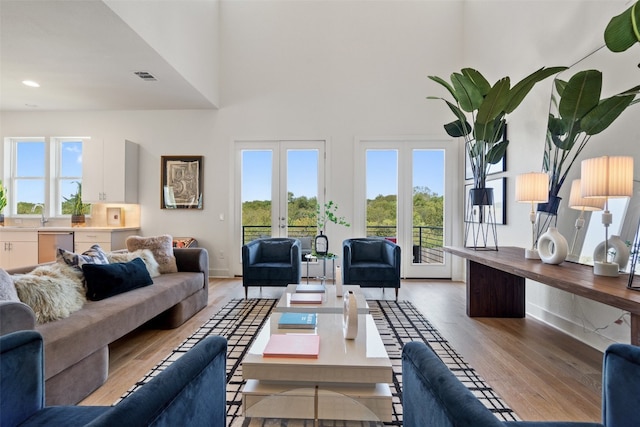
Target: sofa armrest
column 21, row 376
column 190, row 392
column 16, row 316
column 192, row 260
column 432, row 395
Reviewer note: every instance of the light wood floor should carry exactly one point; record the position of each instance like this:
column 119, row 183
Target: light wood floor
column 541, row 373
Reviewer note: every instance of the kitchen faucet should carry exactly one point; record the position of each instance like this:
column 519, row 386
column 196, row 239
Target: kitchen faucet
column 43, row 220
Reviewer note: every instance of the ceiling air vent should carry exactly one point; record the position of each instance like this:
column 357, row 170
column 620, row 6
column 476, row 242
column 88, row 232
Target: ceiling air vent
column 147, row 77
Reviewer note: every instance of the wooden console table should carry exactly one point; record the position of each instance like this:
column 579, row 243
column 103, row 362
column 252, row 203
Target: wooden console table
column 496, row 284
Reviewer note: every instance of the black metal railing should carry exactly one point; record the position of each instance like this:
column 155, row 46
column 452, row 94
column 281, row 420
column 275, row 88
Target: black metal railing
column 427, row 240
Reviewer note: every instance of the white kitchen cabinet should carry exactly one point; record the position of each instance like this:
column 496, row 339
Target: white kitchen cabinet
column 109, row 240
column 18, row 249
column 109, row 171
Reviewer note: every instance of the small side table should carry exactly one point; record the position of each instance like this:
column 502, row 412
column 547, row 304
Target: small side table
column 323, row 258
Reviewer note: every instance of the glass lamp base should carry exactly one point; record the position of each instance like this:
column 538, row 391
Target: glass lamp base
column 609, row 269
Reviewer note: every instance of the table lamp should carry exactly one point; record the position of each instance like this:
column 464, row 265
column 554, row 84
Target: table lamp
column 532, row 187
column 582, row 204
column 606, row 177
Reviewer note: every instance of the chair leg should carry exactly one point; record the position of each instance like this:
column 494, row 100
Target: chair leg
column 397, row 289
column 246, row 292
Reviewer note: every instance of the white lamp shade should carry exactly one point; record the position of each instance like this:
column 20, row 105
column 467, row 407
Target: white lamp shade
column 532, row 187
column 576, row 201
column 607, row 176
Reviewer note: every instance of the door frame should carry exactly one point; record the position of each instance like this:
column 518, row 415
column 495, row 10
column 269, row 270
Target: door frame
column 405, row 146
column 279, row 146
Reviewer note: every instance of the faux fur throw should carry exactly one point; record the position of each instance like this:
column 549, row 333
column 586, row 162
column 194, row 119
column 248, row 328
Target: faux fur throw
column 162, row 248
column 145, row 254
column 53, row 291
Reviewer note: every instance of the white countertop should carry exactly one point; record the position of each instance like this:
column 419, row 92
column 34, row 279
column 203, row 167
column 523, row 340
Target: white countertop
column 57, row 228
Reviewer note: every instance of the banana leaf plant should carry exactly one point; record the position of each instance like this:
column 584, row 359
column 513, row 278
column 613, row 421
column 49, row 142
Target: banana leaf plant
column 480, row 110
column 623, row 31
column 581, row 114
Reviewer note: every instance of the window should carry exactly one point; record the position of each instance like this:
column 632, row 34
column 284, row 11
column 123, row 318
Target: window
column 43, row 173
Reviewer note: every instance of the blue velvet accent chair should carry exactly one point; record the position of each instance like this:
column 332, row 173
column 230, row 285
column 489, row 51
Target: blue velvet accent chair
column 433, row 396
column 272, row 261
column 621, row 386
column 371, row 263
column 191, row 391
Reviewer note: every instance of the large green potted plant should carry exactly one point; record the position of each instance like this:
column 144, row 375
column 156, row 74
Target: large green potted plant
column 78, row 208
column 480, row 109
column 623, row 31
column 581, row 113
column 3, row 202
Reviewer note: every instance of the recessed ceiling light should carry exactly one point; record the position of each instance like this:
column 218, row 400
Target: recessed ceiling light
column 30, row 83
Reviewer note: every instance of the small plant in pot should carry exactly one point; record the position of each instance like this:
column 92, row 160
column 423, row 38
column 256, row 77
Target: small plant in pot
column 78, row 209
column 3, row 202
column 328, row 214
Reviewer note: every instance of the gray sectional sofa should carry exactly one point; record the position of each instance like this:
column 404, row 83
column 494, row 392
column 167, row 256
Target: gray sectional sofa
column 76, row 347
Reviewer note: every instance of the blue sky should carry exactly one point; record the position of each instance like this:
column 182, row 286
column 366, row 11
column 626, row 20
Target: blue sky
column 382, row 171
column 31, row 163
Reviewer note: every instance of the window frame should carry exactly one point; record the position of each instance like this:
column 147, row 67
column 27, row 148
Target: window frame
column 52, row 174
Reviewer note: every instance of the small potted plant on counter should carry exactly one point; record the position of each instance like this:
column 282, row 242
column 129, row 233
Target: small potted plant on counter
column 78, row 209
column 3, row 202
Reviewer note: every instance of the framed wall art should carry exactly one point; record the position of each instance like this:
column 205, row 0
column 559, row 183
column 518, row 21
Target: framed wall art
column 115, row 217
column 181, row 182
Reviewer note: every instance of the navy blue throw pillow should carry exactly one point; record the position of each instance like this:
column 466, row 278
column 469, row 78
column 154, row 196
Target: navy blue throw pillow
column 104, row 281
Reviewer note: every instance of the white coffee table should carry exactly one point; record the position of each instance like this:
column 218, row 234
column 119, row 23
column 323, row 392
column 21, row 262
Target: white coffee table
column 359, row 369
column 330, row 302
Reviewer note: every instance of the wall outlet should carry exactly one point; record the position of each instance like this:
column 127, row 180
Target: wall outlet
column 221, row 255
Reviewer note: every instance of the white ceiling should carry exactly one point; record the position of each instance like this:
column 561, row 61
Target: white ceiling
column 84, row 57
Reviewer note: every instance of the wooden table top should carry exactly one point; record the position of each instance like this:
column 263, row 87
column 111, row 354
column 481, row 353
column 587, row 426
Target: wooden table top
column 571, row 277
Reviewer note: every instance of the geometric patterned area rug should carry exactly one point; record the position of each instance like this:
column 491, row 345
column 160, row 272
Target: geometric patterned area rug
column 398, row 322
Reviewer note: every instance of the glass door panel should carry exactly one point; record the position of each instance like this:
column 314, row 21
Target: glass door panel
column 382, row 194
column 427, row 206
column 302, row 194
column 256, row 194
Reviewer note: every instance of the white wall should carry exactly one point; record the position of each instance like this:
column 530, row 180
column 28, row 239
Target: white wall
column 343, row 70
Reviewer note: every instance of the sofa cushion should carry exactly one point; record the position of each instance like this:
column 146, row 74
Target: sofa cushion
column 367, row 251
column 160, row 246
column 275, row 251
column 104, row 281
column 145, row 254
column 93, row 255
column 53, row 291
column 7, row 288
column 102, row 322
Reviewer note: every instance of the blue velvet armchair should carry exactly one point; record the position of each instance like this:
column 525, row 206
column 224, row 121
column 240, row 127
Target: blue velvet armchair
column 371, row 263
column 272, row 261
column 433, row 396
column 191, row 391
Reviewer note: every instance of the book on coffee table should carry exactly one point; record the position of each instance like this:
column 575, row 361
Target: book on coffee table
column 306, row 298
column 312, row 288
column 293, row 345
column 292, row 320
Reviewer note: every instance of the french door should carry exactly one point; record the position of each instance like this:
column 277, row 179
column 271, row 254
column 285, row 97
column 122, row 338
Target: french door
column 405, row 197
column 280, row 185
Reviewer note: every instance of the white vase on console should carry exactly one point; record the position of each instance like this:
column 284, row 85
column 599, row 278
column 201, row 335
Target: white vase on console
column 552, row 246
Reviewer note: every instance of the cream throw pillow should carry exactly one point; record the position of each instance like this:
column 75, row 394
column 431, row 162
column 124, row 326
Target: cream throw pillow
column 145, row 254
column 160, row 246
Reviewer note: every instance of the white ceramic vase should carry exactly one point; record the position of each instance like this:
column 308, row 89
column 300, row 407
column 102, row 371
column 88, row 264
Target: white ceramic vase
column 620, row 251
column 552, row 246
column 350, row 316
